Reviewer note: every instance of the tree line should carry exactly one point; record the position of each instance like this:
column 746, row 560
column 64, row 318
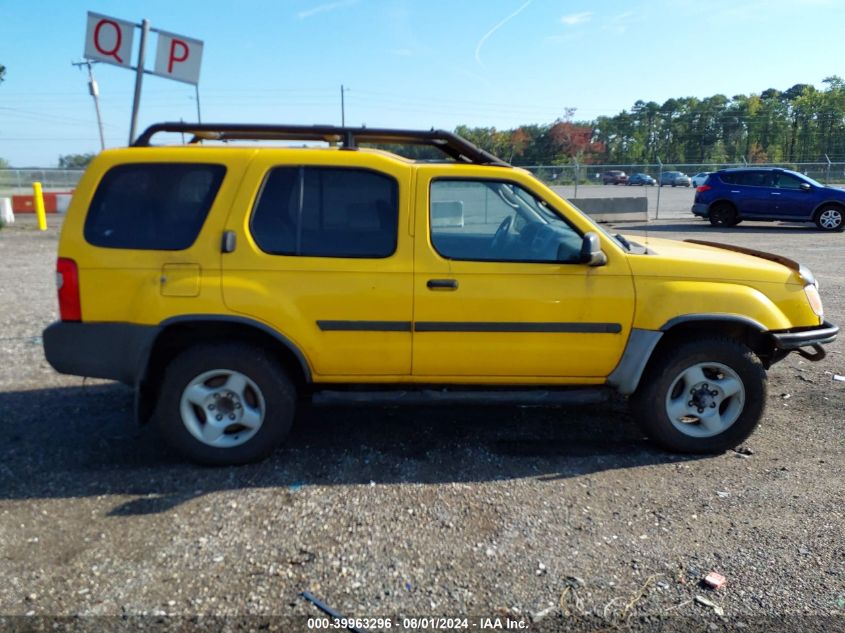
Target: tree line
column 800, row 124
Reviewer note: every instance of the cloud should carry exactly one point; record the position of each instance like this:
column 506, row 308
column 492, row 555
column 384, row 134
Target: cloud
column 576, row 18
column 619, row 23
column 325, row 8
column 484, row 38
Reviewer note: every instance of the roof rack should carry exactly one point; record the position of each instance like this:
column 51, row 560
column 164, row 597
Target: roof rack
column 450, row 144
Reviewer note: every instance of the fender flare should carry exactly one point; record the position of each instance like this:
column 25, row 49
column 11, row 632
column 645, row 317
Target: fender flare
column 642, row 343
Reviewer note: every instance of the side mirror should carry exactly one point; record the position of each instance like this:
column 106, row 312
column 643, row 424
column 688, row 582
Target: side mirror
column 591, row 253
column 805, row 186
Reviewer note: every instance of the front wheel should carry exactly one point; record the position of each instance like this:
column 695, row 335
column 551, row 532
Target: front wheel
column 225, row 404
column 705, row 396
column 830, row 219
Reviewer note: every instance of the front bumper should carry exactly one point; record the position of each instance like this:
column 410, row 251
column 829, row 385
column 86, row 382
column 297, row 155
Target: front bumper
column 800, row 338
column 701, row 210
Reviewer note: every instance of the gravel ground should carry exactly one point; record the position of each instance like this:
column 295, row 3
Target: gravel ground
column 551, row 517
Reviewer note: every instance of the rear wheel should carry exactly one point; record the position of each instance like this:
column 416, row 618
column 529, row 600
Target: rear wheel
column 705, row 396
column 830, row 218
column 225, row 404
column 723, row 214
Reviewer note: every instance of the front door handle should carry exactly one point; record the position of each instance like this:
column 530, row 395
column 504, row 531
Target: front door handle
column 442, row 284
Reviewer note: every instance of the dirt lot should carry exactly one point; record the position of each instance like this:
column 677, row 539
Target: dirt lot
column 536, row 514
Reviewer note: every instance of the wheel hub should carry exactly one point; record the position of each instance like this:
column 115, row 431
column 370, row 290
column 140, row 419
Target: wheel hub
column 224, row 404
column 703, row 396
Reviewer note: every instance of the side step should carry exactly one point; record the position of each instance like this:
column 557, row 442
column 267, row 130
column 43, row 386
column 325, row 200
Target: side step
column 589, row 395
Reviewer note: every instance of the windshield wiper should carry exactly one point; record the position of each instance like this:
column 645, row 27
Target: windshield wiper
column 623, row 241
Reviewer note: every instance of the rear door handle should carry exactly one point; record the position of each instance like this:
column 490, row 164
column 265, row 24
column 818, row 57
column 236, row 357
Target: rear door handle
column 775, row 193
column 227, row 244
column 442, row 284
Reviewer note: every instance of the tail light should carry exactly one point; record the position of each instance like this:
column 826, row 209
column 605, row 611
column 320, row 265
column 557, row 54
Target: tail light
column 67, row 283
column 703, row 188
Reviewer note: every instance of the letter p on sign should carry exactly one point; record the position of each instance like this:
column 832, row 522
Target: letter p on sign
column 178, row 57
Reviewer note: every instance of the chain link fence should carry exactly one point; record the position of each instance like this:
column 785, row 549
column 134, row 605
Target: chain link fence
column 572, row 180
column 19, row 181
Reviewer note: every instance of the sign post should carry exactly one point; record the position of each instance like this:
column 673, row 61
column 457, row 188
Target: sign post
column 139, row 79
column 177, row 57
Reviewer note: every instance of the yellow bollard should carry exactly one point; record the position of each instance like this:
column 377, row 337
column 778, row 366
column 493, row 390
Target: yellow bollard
column 38, row 197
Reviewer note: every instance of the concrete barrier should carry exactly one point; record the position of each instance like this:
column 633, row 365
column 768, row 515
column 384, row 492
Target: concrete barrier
column 6, row 214
column 631, row 209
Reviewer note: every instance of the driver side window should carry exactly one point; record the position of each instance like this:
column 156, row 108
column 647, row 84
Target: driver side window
column 487, row 220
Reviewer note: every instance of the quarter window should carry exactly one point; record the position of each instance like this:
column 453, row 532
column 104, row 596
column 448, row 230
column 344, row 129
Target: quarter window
column 327, row 212
column 486, row 220
column 152, row 206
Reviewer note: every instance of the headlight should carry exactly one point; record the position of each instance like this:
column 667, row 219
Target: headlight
column 815, row 301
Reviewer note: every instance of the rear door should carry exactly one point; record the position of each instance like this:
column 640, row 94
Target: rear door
column 751, row 192
column 323, row 256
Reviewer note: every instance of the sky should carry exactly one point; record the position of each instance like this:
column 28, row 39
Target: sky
column 405, row 63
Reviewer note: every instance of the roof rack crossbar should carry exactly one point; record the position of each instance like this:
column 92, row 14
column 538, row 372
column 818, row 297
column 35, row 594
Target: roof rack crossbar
column 450, row 144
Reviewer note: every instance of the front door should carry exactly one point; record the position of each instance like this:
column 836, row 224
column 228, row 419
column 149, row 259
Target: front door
column 792, row 201
column 499, row 293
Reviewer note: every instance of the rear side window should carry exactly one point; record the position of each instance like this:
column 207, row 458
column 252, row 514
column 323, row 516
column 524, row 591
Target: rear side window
column 327, row 212
column 756, row 179
column 152, row 206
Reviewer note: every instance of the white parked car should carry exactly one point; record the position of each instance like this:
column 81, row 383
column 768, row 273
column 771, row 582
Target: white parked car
column 699, row 178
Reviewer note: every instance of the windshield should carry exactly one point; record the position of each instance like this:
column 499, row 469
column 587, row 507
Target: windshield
column 813, row 182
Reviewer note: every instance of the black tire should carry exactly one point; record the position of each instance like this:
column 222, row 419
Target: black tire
column 723, row 214
column 830, row 218
column 650, row 402
column 275, row 392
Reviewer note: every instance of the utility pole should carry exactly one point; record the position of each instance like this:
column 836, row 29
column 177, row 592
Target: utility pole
column 94, row 89
column 342, row 106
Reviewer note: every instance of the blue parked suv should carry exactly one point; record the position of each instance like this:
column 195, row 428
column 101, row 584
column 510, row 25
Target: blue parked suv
column 731, row 195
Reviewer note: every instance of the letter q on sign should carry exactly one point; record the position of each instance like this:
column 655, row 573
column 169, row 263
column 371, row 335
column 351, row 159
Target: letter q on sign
column 109, row 39
column 178, row 57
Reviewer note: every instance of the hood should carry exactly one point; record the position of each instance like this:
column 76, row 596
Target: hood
column 694, row 259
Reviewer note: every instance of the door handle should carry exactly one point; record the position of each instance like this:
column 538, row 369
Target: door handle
column 775, row 193
column 442, row 284
column 227, row 244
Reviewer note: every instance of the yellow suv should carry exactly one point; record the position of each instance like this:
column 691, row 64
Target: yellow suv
column 225, row 280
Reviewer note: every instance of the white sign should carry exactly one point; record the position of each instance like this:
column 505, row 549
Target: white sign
column 109, row 39
column 178, row 57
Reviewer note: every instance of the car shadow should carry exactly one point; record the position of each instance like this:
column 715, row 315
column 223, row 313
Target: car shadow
column 81, row 442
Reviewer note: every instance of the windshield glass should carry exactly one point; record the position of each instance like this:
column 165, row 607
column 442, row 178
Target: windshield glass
column 813, row 182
